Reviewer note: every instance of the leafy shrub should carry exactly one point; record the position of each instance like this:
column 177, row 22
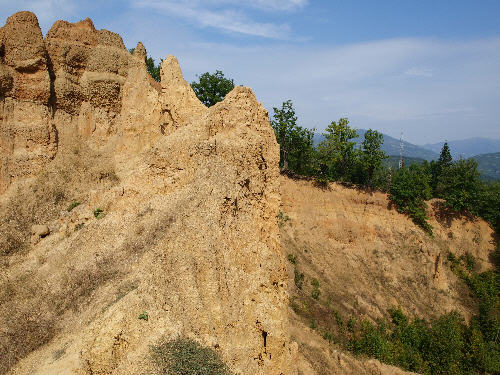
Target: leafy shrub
column 292, row 258
column 283, row 218
column 315, row 292
column 338, row 319
column 144, row 316
column 183, row 356
column 73, row 205
column 99, row 213
column 322, row 182
column 298, row 278
column 351, row 324
column 328, row 336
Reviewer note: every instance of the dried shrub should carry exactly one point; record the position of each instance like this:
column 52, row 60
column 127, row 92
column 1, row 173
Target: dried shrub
column 186, row 357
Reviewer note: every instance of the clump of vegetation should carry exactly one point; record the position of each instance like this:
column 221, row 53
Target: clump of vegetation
column 446, row 345
column 315, row 292
column 322, row 182
column 144, row 316
column 298, row 278
column 296, row 142
column 282, row 218
column 292, row 259
column 186, row 357
column 99, row 213
column 79, row 226
column 314, row 325
column 73, row 205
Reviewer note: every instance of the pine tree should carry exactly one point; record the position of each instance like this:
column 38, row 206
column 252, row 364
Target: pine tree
column 445, row 156
column 438, row 168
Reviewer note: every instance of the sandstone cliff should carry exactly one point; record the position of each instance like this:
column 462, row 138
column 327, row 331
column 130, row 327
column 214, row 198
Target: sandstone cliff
column 172, row 211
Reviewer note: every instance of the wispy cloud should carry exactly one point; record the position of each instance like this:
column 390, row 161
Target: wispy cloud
column 227, row 15
column 281, row 5
column 419, row 72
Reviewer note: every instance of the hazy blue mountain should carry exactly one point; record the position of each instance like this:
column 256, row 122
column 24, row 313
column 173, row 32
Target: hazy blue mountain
column 467, row 148
column 489, row 165
column 391, row 146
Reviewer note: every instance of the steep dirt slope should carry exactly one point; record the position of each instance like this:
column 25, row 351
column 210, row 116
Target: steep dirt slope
column 367, row 259
column 119, row 197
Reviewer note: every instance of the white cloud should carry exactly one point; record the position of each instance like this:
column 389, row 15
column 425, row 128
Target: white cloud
column 281, row 5
column 209, row 14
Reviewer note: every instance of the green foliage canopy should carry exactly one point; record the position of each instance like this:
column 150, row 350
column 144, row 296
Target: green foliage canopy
column 371, row 154
column 296, row 143
column 459, row 185
column 212, row 88
column 409, row 190
column 337, row 150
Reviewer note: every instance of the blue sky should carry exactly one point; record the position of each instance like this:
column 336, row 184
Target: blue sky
column 429, row 69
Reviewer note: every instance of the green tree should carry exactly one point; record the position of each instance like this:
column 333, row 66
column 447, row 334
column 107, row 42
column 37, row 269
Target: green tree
column 371, row 154
column 445, row 156
column 437, row 168
column 489, row 203
column 409, row 191
column 459, row 185
column 154, row 70
column 296, row 142
column 212, row 88
column 302, row 153
column 337, row 150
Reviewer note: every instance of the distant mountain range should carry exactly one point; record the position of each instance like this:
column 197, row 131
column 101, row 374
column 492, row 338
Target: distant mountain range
column 467, row 148
column 489, row 165
column 391, row 146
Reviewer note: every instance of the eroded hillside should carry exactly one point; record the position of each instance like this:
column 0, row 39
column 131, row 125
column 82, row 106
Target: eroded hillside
column 131, row 213
column 367, row 258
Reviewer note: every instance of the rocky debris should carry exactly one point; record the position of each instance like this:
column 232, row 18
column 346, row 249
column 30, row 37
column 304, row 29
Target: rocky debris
column 39, row 231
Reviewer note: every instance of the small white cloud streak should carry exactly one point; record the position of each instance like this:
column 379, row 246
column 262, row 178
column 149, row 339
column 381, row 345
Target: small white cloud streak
column 227, row 20
column 265, row 5
column 419, row 72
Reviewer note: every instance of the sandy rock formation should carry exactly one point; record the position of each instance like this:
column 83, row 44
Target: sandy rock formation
column 175, row 215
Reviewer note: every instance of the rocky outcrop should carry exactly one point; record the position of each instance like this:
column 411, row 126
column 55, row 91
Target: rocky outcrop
column 186, row 228
column 28, row 139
